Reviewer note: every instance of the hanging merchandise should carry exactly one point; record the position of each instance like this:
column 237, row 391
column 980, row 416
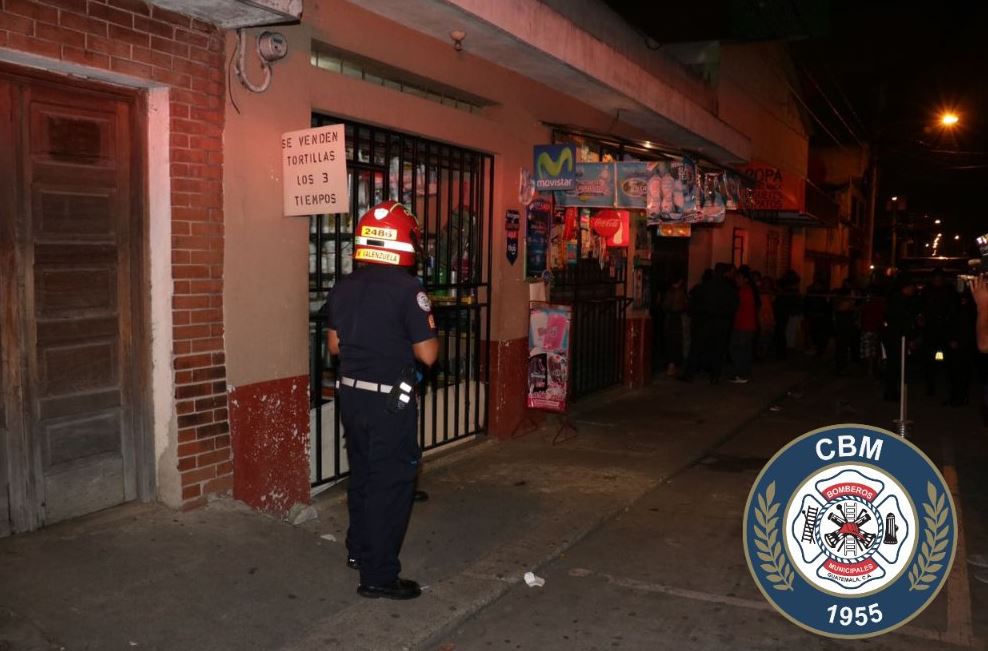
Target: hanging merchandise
column 732, row 183
column 586, row 236
column 713, row 194
column 511, row 227
column 537, row 219
column 632, row 184
column 594, row 187
column 526, row 187
column 569, row 228
column 672, row 192
column 557, row 239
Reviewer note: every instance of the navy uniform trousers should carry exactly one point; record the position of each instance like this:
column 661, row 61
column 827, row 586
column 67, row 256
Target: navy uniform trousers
column 384, row 455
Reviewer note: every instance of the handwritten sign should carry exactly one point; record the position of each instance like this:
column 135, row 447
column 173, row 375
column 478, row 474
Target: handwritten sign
column 314, row 171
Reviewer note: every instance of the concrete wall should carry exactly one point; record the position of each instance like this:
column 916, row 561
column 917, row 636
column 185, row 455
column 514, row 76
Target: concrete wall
column 266, row 309
column 755, row 96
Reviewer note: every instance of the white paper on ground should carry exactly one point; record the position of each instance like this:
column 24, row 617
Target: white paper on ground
column 534, row 581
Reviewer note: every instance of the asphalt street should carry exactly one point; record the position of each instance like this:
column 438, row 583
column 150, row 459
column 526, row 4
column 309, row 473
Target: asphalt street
column 669, row 572
column 634, row 523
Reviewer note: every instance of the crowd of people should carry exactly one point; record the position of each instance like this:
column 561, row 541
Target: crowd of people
column 735, row 316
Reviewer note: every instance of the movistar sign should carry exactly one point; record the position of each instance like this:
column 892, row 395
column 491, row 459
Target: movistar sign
column 554, row 167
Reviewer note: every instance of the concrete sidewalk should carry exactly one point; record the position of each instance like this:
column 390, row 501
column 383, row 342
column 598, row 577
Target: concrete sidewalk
column 222, row 578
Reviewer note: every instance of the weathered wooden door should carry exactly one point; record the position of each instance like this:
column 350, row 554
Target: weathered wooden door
column 70, row 266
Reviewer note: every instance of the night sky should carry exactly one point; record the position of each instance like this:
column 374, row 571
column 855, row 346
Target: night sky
column 874, row 72
column 888, row 70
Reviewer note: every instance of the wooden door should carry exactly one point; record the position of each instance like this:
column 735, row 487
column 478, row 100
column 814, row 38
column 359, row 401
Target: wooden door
column 73, row 309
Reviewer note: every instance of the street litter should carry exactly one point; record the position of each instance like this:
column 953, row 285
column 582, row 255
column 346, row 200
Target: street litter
column 775, row 408
column 534, row 581
column 328, row 536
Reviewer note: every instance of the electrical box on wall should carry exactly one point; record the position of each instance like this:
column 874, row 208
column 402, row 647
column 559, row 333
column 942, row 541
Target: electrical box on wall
column 234, row 14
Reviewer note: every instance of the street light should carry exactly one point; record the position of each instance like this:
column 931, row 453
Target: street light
column 949, row 118
column 936, row 221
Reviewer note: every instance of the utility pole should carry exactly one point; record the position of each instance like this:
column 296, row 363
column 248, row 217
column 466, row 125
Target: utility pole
column 872, row 198
column 895, row 233
column 895, row 204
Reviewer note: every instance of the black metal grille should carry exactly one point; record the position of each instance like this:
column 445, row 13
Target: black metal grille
column 599, row 300
column 449, row 189
column 599, row 324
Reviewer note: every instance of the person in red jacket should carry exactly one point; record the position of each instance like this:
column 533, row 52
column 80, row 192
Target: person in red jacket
column 745, row 326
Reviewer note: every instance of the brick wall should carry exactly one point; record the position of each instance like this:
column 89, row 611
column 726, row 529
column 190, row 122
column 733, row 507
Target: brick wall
column 134, row 38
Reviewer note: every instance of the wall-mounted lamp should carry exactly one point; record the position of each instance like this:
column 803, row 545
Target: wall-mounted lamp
column 458, row 35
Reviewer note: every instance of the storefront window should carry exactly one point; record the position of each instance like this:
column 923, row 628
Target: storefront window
column 449, row 189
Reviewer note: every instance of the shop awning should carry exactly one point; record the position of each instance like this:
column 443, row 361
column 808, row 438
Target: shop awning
column 787, row 218
column 532, row 39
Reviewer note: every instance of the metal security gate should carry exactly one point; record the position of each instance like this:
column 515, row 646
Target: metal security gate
column 598, row 295
column 598, row 327
column 449, row 189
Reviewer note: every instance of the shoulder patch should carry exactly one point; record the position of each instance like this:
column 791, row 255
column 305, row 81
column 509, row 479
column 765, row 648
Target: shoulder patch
column 423, row 301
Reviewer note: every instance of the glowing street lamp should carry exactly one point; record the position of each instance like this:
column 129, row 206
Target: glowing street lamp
column 949, row 119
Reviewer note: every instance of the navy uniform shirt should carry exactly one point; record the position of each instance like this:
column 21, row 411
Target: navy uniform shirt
column 378, row 312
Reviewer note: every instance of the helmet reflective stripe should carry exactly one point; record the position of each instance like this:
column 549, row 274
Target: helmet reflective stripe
column 385, row 244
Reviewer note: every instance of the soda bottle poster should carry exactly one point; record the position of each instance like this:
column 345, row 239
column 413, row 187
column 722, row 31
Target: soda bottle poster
column 537, row 218
column 548, row 356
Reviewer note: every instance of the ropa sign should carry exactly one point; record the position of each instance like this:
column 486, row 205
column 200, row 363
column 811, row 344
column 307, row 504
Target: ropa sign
column 775, row 189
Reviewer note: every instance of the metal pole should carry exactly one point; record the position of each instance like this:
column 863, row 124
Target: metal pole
column 902, row 424
column 895, row 232
column 872, row 197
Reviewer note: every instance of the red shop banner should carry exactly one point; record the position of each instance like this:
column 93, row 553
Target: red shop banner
column 776, row 189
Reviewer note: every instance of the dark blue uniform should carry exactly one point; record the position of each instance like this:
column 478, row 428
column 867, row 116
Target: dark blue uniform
column 378, row 312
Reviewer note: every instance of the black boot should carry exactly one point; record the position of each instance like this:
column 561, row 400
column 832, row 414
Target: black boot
column 400, row 589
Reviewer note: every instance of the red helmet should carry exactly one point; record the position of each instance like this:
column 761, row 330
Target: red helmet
column 387, row 234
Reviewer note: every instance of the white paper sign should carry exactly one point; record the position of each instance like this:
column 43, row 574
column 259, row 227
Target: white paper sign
column 314, row 171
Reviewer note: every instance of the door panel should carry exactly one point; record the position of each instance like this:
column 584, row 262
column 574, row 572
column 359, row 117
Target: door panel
column 79, row 312
column 69, row 264
column 11, row 431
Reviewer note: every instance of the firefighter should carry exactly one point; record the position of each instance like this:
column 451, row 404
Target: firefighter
column 381, row 324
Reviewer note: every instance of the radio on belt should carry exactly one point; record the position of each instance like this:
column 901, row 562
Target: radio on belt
column 403, row 391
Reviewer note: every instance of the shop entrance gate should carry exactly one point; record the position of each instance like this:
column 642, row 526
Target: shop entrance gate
column 450, row 190
column 598, row 327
